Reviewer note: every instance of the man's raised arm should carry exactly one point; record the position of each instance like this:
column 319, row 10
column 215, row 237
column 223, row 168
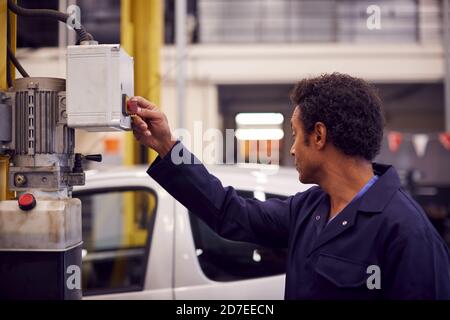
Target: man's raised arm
column 233, row 217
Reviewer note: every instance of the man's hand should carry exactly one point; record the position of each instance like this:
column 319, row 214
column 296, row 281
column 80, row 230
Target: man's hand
column 150, row 126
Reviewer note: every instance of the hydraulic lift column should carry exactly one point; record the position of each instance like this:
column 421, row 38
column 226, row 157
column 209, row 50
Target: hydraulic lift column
column 40, row 232
column 40, row 225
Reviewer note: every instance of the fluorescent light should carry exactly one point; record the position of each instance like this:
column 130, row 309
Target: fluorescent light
column 259, row 118
column 259, row 134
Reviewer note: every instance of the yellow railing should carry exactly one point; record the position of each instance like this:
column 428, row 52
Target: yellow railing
column 5, row 194
column 141, row 36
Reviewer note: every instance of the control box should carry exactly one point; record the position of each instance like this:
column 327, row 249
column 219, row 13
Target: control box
column 100, row 79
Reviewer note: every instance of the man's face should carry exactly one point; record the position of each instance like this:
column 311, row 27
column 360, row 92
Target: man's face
column 304, row 154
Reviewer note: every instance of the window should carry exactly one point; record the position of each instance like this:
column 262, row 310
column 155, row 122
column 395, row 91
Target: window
column 226, row 260
column 296, row 21
column 117, row 229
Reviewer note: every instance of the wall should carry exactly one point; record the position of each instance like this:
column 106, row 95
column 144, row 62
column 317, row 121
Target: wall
column 209, row 66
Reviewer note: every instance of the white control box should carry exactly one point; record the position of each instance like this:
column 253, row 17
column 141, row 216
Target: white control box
column 100, row 79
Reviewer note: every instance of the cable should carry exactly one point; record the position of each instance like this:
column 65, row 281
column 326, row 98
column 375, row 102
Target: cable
column 16, row 63
column 8, row 75
column 83, row 35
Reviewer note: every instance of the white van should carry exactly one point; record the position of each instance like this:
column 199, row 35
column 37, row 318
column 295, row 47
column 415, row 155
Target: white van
column 140, row 243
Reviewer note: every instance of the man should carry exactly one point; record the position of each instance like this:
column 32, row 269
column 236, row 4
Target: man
column 357, row 235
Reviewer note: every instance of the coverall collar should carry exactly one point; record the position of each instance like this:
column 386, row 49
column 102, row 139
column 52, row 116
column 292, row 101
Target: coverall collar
column 373, row 201
column 378, row 196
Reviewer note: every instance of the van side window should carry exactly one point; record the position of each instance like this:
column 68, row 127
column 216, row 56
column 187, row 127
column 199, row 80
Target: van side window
column 226, row 260
column 117, row 230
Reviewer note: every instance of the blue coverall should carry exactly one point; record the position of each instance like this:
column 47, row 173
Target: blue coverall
column 384, row 228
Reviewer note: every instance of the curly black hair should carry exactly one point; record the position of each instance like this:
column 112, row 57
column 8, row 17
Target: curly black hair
column 349, row 107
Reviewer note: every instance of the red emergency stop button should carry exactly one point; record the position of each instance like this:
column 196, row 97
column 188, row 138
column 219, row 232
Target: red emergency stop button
column 27, row 201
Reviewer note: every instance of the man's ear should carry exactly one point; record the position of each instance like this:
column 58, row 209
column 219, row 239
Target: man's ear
column 320, row 135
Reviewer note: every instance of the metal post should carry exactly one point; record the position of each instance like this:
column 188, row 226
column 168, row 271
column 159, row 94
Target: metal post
column 65, row 36
column 62, row 28
column 180, row 39
column 141, row 34
column 446, row 43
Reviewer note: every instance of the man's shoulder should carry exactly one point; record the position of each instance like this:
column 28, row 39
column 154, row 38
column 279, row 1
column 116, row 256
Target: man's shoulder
column 403, row 207
column 407, row 218
column 308, row 198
